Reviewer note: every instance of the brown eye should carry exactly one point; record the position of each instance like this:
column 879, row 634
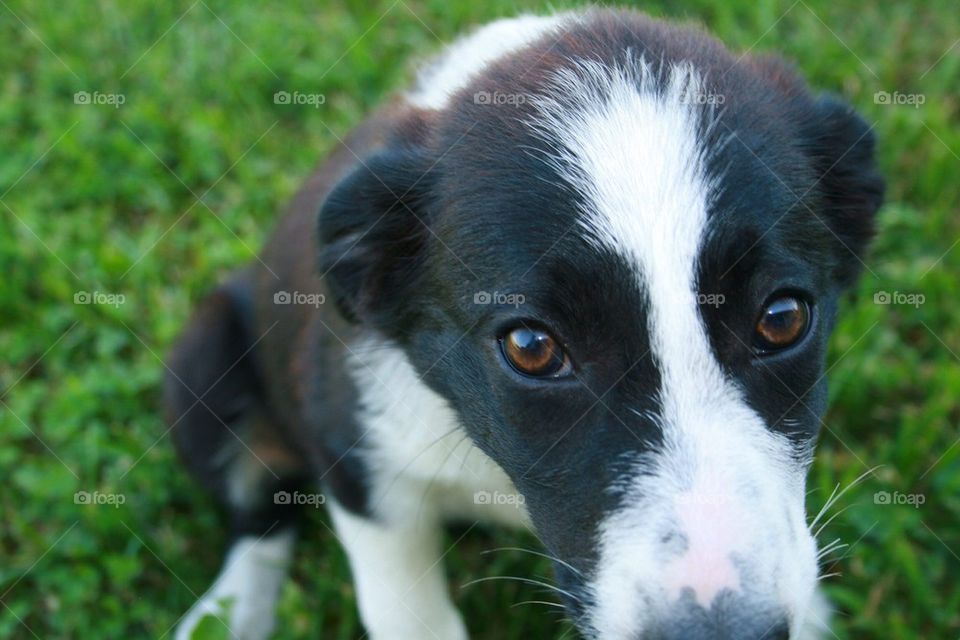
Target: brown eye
column 783, row 322
column 533, row 352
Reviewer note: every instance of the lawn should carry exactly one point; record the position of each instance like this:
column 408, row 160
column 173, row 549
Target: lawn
column 115, row 217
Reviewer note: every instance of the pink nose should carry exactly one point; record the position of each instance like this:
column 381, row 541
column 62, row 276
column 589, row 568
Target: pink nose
column 704, row 571
column 714, row 531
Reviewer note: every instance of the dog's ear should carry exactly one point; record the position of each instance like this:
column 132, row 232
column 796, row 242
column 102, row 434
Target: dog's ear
column 841, row 145
column 372, row 231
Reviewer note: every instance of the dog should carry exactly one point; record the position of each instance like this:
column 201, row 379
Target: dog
column 578, row 279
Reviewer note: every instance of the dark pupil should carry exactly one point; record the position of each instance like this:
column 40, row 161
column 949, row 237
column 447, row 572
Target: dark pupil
column 533, row 352
column 781, row 318
column 533, row 342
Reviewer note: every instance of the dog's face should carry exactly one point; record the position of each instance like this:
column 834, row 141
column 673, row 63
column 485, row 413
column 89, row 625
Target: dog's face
column 624, row 283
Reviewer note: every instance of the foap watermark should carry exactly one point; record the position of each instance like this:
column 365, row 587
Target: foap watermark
column 915, row 500
column 296, row 497
column 99, row 99
column 299, row 98
column 99, row 297
column 703, row 97
column 298, row 297
column 498, row 498
column 97, row 498
column 499, row 99
column 498, row 298
column 711, row 299
column 899, row 99
column 899, row 298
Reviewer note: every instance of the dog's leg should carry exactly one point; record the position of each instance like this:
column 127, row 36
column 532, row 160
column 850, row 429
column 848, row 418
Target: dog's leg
column 231, row 442
column 397, row 570
column 244, row 595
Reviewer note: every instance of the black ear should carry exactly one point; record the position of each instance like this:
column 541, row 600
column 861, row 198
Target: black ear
column 372, row 231
column 841, row 144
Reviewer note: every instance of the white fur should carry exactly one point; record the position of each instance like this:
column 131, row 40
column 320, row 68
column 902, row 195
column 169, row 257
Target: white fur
column 723, row 480
column 467, row 57
column 398, row 574
column 420, row 459
column 244, row 595
column 816, row 618
column 423, row 470
column 245, row 474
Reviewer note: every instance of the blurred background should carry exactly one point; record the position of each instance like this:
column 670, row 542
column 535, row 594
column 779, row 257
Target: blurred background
column 143, row 155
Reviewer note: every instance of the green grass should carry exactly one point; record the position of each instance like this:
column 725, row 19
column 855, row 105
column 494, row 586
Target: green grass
column 102, row 199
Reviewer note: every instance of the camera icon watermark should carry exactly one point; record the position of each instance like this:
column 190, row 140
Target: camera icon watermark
column 99, row 298
column 899, row 99
column 499, row 99
column 498, row 498
column 508, row 299
column 298, row 297
column 915, row 500
column 114, row 100
column 96, row 498
column 315, row 100
column 314, row 500
column 899, row 298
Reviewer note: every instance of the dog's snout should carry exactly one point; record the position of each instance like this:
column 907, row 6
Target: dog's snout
column 730, row 617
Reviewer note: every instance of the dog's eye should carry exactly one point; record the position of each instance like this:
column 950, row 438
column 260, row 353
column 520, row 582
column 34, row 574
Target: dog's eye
column 534, row 353
column 783, row 323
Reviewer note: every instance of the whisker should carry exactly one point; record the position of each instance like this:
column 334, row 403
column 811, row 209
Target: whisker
column 826, row 505
column 829, row 520
column 538, row 583
column 436, row 474
column 406, row 466
column 829, row 545
column 549, row 604
column 537, row 553
column 834, row 496
column 836, row 545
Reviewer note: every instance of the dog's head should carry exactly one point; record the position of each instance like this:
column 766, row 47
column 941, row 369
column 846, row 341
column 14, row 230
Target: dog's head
column 616, row 250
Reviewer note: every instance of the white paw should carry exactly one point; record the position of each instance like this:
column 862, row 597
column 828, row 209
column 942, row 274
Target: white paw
column 446, row 625
column 245, row 593
column 240, row 622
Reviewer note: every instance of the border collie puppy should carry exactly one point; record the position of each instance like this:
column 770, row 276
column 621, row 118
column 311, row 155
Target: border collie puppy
column 579, row 279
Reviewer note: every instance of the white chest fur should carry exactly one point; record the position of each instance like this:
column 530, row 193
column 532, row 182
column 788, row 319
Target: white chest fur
column 423, row 464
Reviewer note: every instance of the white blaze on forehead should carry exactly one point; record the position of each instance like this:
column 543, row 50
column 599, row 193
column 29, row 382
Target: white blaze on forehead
column 467, row 57
column 629, row 140
column 632, row 149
